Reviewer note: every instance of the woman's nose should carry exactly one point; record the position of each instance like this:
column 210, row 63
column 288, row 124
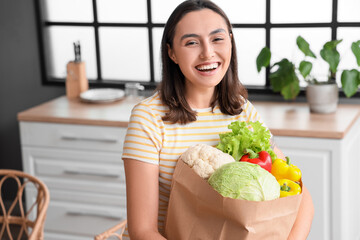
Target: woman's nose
column 207, row 51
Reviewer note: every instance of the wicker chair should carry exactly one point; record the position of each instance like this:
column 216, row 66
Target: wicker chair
column 15, row 221
column 115, row 232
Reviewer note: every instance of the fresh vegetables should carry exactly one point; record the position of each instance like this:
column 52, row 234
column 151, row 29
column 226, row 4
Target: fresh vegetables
column 284, row 169
column 245, row 135
column 263, row 159
column 205, row 159
column 243, row 180
column 288, row 188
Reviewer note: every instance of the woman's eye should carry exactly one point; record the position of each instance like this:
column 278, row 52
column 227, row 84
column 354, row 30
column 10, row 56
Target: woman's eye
column 218, row 39
column 190, row 43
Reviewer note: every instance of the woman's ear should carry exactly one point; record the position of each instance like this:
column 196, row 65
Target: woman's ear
column 171, row 54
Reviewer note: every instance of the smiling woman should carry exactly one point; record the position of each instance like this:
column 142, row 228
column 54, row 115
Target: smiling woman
column 199, row 96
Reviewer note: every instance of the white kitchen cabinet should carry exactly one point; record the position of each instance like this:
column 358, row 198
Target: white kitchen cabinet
column 76, row 149
column 330, row 170
column 82, row 167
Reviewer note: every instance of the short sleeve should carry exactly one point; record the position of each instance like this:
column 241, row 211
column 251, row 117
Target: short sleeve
column 143, row 138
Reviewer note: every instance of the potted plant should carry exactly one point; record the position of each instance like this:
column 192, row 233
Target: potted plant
column 322, row 96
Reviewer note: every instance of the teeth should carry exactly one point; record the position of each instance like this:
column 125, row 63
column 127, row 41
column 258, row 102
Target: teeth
column 207, row 67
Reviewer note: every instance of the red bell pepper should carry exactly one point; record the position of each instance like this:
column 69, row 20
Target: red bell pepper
column 263, row 159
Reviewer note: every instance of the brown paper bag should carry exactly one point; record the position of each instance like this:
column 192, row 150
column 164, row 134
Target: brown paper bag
column 197, row 211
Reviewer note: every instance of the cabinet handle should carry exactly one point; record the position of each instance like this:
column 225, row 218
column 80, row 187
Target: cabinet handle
column 80, row 172
column 89, row 214
column 104, row 140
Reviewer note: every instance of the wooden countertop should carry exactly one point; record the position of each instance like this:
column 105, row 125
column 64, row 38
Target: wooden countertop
column 283, row 119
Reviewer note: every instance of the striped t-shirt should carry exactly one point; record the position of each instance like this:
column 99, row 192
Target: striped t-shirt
column 150, row 139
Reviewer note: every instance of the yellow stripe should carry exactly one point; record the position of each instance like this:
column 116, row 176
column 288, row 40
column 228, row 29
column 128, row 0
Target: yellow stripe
column 249, row 117
column 171, row 154
column 193, row 128
column 140, row 143
column 193, row 134
column 134, row 155
column 141, row 150
column 169, row 185
column 139, row 136
column 140, row 123
column 145, row 118
column 216, row 120
column 167, row 173
column 170, row 160
column 202, row 114
column 195, row 140
column 162, row 165
column 142, row 110
column 143, row 130
column 163, row 194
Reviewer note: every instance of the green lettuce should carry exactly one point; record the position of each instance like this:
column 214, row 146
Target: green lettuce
column 245, row 135
column 244, row 180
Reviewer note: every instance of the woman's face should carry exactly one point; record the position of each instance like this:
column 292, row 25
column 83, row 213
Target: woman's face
column 202, row 48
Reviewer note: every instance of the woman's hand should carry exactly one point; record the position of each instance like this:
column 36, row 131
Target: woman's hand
column 142, row 190
column 302, row 225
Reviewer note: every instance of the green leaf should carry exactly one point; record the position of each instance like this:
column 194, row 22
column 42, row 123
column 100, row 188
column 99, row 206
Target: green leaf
column 284, row 79
column 304, row 47
column 331, row 55
column 332, row 44
column 263, row 59
column 355, row 47
column 305, row 68
column 291, row 90
column 350, row 81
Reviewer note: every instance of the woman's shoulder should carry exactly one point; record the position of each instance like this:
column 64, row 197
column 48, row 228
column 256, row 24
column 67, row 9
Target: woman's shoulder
column 152, row 104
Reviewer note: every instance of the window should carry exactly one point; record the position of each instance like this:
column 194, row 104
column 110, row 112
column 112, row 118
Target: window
column 120, row 40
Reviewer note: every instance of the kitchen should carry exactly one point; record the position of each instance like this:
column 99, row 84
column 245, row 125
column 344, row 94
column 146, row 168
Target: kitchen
column 21, row 85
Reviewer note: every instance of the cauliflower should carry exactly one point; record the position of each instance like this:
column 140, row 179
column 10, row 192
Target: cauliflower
column 205, row 159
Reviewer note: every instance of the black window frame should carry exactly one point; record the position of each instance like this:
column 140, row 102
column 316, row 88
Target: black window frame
column 99, row 82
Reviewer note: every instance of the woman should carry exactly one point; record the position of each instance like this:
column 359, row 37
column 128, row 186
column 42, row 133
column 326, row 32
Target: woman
column 199, row 96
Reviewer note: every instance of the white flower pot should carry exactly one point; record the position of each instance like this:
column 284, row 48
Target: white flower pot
column 322, row 98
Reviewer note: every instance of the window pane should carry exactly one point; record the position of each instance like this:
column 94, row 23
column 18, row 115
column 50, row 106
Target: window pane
column 348, row 60
column 304, row 11
column 161, row 9
column 157, row 35
column 348, row 10
column 69, row 10
column 283, row 45
column 124, row 53
column 244, row 11
column 249, row 43
column 61, row 49
column 134, row 11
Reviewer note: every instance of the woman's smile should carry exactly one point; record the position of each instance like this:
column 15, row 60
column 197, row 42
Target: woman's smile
column 202, row 49
column 208, row 68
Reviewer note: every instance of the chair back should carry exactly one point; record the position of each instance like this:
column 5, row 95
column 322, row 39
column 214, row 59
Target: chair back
column 16, row 220
column 114, row 232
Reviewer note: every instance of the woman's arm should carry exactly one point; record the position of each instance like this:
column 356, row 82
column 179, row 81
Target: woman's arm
column 302, row 225
column 142, row 190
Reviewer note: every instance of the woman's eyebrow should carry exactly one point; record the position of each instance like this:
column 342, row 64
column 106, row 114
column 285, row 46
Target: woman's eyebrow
column 197, row 36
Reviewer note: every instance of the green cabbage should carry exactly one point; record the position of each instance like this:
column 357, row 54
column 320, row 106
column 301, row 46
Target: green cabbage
column 244, row 180
column 245, row 135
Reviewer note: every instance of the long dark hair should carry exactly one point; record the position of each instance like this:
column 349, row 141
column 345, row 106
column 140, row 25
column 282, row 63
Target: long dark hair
column 229, row 93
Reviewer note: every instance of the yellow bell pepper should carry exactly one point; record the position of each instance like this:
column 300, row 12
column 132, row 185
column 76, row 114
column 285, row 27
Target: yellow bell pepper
column 283, row 169
column 288, row 188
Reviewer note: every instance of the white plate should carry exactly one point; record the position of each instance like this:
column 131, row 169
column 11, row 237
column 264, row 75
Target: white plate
column 102, row 95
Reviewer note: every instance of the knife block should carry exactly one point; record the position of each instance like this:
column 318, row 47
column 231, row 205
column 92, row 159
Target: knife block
column 76, row 81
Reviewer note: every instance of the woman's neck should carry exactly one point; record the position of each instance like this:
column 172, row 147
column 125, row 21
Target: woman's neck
column 199, row 99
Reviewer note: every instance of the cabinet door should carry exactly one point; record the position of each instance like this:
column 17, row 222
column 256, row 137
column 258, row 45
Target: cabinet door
column 314, row 158
column 72, row 136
